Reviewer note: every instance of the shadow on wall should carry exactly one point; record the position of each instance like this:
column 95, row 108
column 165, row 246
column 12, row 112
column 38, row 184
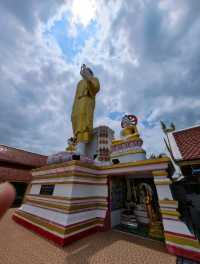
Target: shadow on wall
column 20, row 188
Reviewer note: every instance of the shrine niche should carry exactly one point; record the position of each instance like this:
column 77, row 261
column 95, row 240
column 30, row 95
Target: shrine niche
column 135, row 206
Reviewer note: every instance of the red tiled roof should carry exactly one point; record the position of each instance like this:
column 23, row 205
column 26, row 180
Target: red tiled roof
column 188, row 142
column 21, row 157
column 13, row 174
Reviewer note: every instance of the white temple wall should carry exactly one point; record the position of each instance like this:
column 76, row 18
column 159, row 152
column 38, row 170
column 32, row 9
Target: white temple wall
column 35, row 189
column 177, row 227
column 64, row 190
column 79, row 190
column 130, row 157
column 89, row 190
column 164, row 192
column 115, row 217
column 62, row 218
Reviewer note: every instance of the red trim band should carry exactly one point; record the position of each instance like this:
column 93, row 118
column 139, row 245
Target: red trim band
column 53, row 237
column 183, row 252
column 180, row 235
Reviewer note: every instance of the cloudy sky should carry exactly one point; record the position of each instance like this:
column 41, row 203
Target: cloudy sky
column 146, row 54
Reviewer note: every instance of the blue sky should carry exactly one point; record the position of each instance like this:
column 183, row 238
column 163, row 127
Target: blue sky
column 71, row 45
column 116, row 115
column 145, row 54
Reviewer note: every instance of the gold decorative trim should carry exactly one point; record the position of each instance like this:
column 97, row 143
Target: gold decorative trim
column 129, row 138
column 160, row 173
column 44, row 223
column 66, row 164
column 164, row 182
column 67, row 198
column 189, row 162
column 165, row 202
column 101, row 168
column 72, row 206
column 117, row 141
column 136, row 163
column 133, row 137
column 182, row 241
column 71, row 174
column 127, row 153
column 54, row 227
column 67, row 208
column 70, row 182
column 169, row 212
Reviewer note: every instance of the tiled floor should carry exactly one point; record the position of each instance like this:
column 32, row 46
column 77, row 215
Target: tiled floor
column 19, row 245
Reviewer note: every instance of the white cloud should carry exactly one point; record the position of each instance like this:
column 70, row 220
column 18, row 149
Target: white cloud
column 145, row 53
column 83, row 11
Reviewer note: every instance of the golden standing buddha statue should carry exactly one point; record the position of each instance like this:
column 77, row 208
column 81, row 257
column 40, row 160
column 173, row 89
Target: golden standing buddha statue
column 83, row 106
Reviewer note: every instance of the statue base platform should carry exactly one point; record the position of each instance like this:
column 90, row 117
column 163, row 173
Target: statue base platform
column 65, row 156
column 65, row 202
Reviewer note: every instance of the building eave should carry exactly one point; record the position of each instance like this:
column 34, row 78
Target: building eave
column 189, row 162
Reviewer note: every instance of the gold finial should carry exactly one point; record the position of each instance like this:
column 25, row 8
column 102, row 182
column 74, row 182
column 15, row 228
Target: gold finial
column 167, row 129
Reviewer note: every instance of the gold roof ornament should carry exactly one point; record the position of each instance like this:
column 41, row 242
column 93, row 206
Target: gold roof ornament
column 167, row 129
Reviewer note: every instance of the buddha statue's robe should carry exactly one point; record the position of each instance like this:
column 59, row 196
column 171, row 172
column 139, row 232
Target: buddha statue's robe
column 83, row 109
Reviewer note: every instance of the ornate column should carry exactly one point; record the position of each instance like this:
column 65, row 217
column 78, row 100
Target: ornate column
column 179, row 240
